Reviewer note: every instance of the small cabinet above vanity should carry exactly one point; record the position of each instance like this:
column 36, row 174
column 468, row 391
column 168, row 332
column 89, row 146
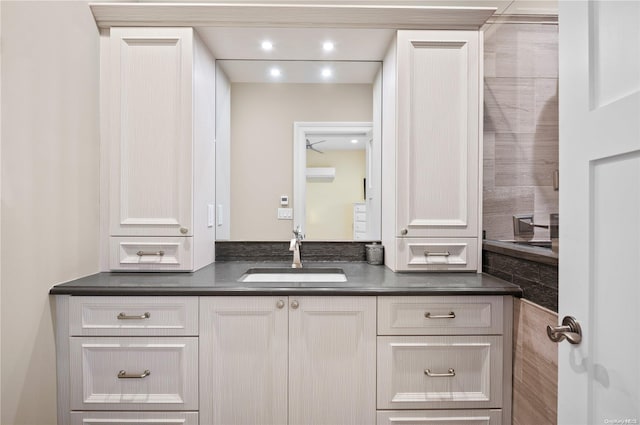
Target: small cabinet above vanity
column 431, row 151
column 161, row 149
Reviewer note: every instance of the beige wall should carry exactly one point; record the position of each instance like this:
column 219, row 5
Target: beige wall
column 520, row 126
column 50, row 185
column 262, row 117
column 329, row 206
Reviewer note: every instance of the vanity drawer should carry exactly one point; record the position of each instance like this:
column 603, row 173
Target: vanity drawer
column 443, row 315
column 134, row 373
column 360, row 208
column 440, row 417
column 439, row 372
column 150, row 253
column 360, row 226
column 133, row 316
column 134, row 418
column 437, row 254
column 360, row 217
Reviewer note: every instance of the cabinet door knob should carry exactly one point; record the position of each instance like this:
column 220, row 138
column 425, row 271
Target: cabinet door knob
column 280, row 304
column 404, row 231
column 184, row 230
column 295, row 304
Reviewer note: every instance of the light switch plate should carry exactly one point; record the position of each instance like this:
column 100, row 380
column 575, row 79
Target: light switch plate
column 285, row 213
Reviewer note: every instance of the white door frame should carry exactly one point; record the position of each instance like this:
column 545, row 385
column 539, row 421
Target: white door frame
column 302, row 130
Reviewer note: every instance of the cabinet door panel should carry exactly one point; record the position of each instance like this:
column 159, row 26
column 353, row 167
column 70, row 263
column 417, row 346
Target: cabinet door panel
column 134, row 418
column 151, row 143
column 439, row 372
column 440, row 417
column 438, row 131
column 134, row 373
column 332, row 376
column 243, row 360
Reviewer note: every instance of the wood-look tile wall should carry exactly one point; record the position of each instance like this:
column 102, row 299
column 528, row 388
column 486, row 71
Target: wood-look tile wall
column 535, row 366
column 520, row 125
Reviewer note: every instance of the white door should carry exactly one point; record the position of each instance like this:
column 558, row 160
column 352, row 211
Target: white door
column 599, row 379
column 151, row 131
column 332, row 360
column 243, row 360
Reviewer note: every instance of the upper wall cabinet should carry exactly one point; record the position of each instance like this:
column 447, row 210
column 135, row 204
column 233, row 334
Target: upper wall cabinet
column 436, row 155
column 161, row 162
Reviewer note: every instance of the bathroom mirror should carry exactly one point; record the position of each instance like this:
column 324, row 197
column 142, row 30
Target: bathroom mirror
column 258, row 104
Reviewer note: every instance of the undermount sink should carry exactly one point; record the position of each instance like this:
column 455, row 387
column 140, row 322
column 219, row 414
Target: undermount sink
column 293, row 275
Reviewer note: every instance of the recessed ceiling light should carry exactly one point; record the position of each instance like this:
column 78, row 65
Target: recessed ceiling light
column 327, row 46
column 275, row 72
column 326, row 72
column 267, row 45
column 354, row 141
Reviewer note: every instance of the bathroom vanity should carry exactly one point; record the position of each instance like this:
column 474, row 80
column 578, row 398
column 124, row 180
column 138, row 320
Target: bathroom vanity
column 203, row 348
column 206, row 348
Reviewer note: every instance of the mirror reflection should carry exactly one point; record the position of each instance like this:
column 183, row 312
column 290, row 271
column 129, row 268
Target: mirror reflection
column 258, row 182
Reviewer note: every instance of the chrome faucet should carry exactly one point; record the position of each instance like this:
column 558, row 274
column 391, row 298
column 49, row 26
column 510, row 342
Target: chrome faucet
column 295, row 247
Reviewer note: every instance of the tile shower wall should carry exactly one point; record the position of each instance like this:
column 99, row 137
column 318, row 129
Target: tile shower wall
column 520, row 125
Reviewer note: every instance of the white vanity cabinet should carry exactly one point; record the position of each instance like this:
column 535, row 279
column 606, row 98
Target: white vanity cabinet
column 126, row 359
column 161, row 85
column 288, row 360
column 440, row 356
column 431, row 149
column 310, row 359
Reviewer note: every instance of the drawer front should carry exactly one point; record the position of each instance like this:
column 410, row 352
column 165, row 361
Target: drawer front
column 150, row 253
column 360, row 208
column 447, row 315
column 440, row 417
column 133, row 418
column 439, row 372
column 133, row 316
column 437, row 254
column 134, row 373
column 360, row 226
column 360, row 217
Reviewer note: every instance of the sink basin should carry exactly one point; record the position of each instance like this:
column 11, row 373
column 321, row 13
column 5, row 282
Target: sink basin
column 293, row 275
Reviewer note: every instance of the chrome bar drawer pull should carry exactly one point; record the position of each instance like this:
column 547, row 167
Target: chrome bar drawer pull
column 451, row 315
column 437, row 254
column 124, row 316
column 449, row 373
column 150, row 253
column 123, row 375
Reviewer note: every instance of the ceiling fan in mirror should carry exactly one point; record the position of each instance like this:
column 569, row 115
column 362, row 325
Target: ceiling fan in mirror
column 310, row 145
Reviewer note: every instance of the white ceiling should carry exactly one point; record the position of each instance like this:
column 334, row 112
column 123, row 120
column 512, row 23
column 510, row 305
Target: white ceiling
column 298, row 53
column 338, row 142
column 297, row 43
column 300, row 72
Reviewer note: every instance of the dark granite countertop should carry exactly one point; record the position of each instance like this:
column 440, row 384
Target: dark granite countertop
column 221, row 278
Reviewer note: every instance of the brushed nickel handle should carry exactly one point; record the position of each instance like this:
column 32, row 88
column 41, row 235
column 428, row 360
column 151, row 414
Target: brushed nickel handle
column 124, row 375
column 184, row 230
column 451, row 315
column 280, row 304
column 124, row 316
column 437, row 254
column 570, row 330
column 404, row 231
column 295, row 304
column 155, row 253
column 449, row 373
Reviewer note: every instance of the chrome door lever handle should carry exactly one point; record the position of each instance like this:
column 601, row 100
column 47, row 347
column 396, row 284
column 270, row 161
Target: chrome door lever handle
column 569, row 330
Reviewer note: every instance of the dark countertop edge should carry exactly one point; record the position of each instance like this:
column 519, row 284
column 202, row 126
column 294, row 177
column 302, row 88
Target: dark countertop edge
column 523, row 252
column 120, row 291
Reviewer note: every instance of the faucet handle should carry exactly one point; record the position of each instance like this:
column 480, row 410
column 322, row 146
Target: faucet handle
column 298, row 233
